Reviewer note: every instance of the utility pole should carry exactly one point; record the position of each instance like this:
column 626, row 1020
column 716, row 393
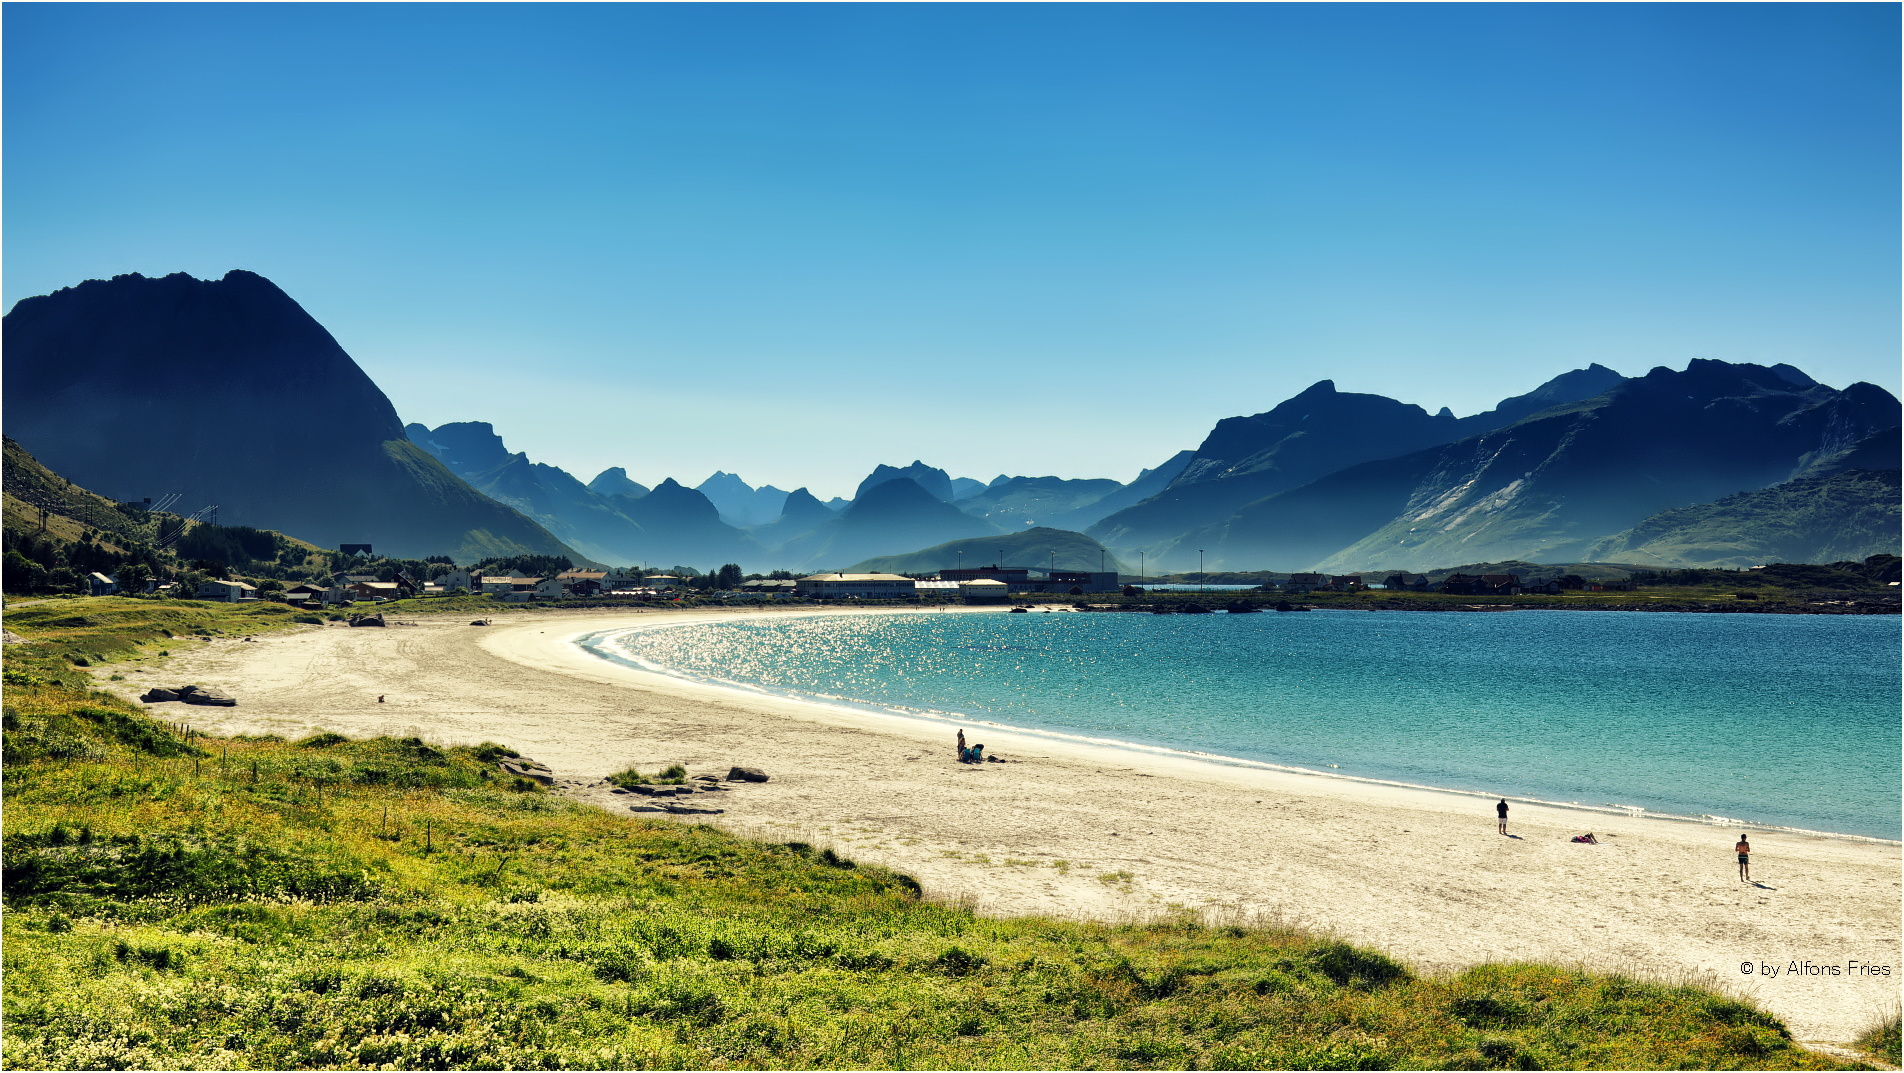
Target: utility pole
column 1140, row 568
column 1202, row 585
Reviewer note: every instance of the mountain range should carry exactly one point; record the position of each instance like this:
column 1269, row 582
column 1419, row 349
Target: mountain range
column 227, row 391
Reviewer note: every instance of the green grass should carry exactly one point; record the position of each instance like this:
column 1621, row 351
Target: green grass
column 328, row 903
column 1882, row 1041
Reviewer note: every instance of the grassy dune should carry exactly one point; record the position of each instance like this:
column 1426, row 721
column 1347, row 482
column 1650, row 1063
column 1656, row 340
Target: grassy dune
column 260, row 904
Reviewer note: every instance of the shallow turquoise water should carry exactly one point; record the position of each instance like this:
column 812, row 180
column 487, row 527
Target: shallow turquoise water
column 1790, row 720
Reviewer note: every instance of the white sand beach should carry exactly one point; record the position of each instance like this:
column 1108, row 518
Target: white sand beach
column 1087, row 831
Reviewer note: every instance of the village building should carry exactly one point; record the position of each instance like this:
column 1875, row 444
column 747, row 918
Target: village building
column 936, row 590
column 374, row 590
column 307, row 592
column 984, row 591
column 1010, row 575
column 856, row 586
column 100, row 584
column 774, row 587
column 1303, row 582
column 1066, row 580
column 230, row 592
column 663, row 581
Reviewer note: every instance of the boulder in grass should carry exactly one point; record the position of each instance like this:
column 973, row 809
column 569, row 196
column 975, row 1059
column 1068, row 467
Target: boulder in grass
column 528, row 769
column 155, row 695
column 201, row 695
column 367, row 620
column 746, row 774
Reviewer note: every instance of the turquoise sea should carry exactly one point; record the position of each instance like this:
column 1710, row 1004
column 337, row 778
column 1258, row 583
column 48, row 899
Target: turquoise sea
column 1785, row 720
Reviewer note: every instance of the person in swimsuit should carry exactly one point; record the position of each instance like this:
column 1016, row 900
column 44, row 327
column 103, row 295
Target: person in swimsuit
column 1744, row 849
column 1501, row 811
column 1587, row 838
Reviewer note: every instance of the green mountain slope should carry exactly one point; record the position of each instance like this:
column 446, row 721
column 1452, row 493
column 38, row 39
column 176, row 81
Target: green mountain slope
column 1850, row 515
column 1057, row 549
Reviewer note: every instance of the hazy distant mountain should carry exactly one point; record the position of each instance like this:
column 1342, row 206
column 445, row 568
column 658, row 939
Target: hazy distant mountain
column 1317, row 432
column 966, row 486
column 614, row 481
column 932, row 479
column 681, row 525
column 1148, row 483
column 800, row 515
column 897, row 514
column 1551, row 485
column 1040, row 548
column 740, row 504
column 1018, row 501
column 226, row 390
column 584, row 520
column 1852, row 515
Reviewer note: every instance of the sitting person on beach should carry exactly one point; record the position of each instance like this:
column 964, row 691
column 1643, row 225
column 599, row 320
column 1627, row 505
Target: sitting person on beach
column 975, row 755
column 1587, row 838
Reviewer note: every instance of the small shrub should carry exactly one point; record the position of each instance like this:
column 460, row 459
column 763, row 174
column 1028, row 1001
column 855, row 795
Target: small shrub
column 1882, row 1040
column 314, row 620
column 489, row 752
column 323, row 741
column 628, row 778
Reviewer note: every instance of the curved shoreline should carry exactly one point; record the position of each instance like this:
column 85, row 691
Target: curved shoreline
column 1095, row 832
column 595, row 644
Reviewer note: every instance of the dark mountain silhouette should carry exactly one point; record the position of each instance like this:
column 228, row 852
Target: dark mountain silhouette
column 931, row 479
column 740, row 504
column 1039, row 548
column 466, row 447
column 1549, row 486
column 896, row 514
column 1317, row 432
column 226, row 390
column 614, row 481
column 680, row 525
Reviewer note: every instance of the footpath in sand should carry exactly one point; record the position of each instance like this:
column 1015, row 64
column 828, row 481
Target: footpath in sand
column 1081, row 831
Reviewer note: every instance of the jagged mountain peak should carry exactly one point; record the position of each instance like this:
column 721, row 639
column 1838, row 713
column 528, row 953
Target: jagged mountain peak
column 935, row 481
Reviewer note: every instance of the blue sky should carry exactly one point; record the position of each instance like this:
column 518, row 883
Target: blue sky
column 796, row 240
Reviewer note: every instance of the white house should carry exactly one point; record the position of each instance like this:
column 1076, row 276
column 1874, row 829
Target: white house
column 100, row 584
column 984, row 591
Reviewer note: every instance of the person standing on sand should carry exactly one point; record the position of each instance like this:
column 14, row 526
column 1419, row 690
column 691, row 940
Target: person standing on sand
column 961, row 746
column 1744, row 850
column 1500, row 810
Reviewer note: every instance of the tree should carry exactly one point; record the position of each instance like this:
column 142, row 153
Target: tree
column 729, row 576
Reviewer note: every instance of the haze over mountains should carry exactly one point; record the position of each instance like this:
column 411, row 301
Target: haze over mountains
column 227, row 391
